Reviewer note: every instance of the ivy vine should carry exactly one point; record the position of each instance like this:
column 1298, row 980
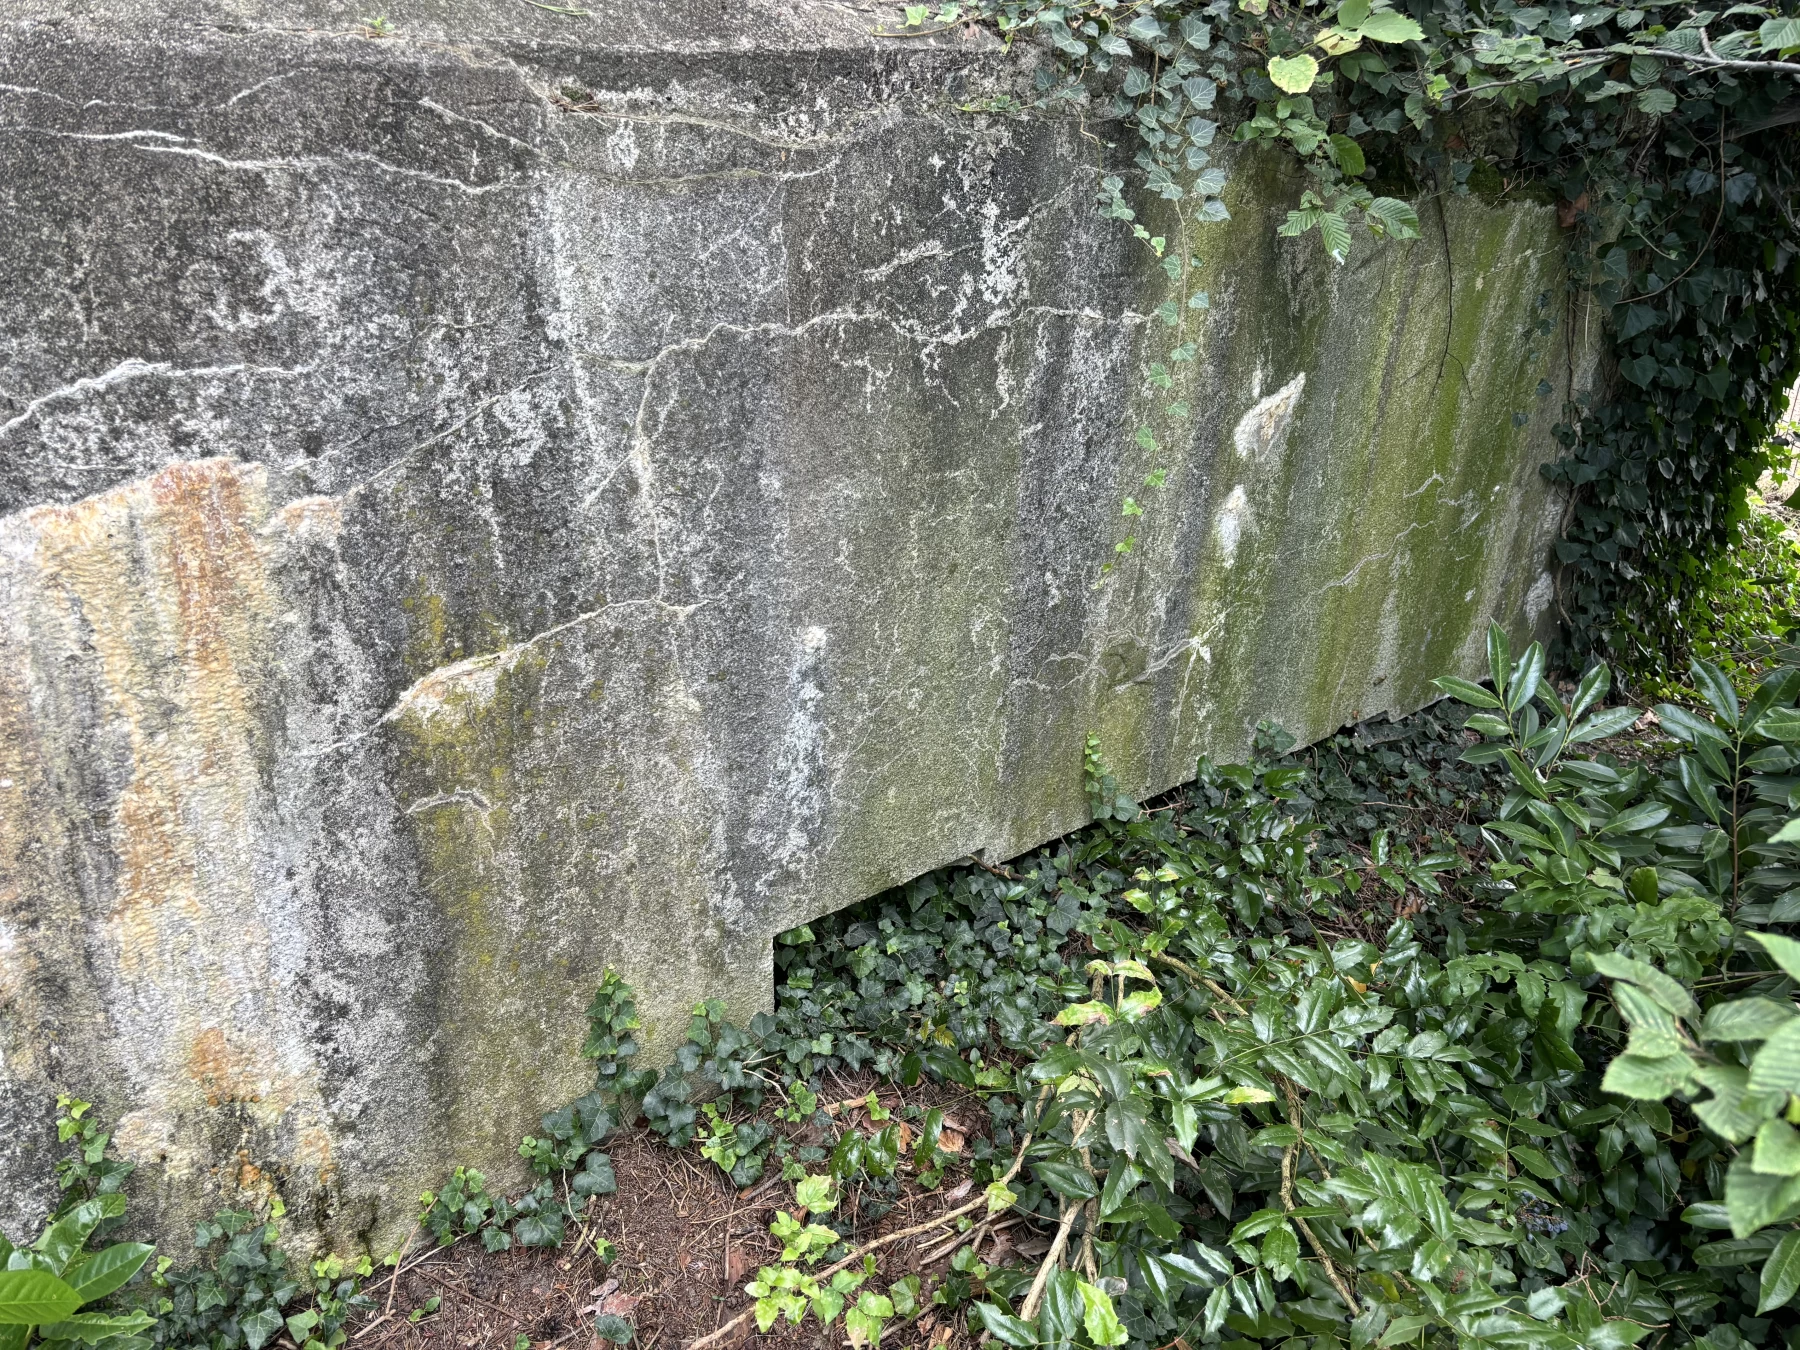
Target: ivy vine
column 1666, row 132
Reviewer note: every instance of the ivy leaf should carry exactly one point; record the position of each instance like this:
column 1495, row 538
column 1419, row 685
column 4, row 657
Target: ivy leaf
column 1293, row 74
column 260, row 1326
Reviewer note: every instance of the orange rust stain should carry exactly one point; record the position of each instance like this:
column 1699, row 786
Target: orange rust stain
column 312, row 1148
column 159, row 603
column 168, row 585
column 223, row 1072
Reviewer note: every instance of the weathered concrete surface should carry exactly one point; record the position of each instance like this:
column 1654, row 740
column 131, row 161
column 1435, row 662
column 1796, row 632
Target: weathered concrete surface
column 451, row 543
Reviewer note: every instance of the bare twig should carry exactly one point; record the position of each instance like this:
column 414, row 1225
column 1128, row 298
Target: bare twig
column 1052, row 1259
column 948, row 1216
column 399, row 1262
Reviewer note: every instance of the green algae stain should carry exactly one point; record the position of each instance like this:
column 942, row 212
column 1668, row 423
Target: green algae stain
column 1334, row 575
column 463, row 736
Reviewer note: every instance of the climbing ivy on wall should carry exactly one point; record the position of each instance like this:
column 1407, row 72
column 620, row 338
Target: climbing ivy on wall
column 1666, row 134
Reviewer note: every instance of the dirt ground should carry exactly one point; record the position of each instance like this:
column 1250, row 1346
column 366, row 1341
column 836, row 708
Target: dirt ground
column 688, row 1241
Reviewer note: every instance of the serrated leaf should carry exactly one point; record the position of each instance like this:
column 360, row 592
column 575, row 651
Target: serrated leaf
column 1334, row 231
column 1348, row 154
column 1099, row 1318
column 1388, row 26
column 1668, row 993
column 1777, row 1150
column 1776, row 1067
column 1648, row 1080
column 1784, row 950
column 1777, row 35
column 1746, row 1019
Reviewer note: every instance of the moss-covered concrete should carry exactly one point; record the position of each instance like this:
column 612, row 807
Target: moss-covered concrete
column 450, row 545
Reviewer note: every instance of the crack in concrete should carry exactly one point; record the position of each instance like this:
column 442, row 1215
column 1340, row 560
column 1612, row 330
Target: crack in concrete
column 308, row 163
column 490, row 129
column 133, row 369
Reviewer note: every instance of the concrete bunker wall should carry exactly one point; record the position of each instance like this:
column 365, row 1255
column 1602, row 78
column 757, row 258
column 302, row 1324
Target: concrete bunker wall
column 524, row 495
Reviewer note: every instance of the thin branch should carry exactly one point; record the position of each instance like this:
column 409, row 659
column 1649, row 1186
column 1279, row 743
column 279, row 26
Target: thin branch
column 1028, row 1309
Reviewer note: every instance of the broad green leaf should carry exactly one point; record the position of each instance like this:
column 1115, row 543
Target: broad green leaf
column 1067, row 1178
column 1653, row 1031
column 816, row 1194
column 1281, row 1252
column 1780, row 1274
column 1352, row 13
column 1690, row 728
column 1334, row 230
column 1387, row 26
column 1706, row 1214
column 1779, row 724
column 1349, row 155
column 1745, row 1019
column 63, row 1239
column 1003, row 1326
column 107, row 1269
column 1135, row 1007
column 1102, row 1323
column 92, row 1328
column 31, row 1297
column 1648, row 1080
column 999, row 1196
column 1656, row 102
column 1499, row 655
column 260, row 1326
column 1733, row 1111
column 1293, row 74
column 1594, row 686
column 1787, row 834
column 1776, row 1067
column 1754, row 1200
column 1718, row 690
column 1785, row 950
column 1463, row 691
column 1059, row 1319
column 1778, row 35
column 1610, row 722
column 1522, row 682
column 1777, row 1150
column 1668, row 993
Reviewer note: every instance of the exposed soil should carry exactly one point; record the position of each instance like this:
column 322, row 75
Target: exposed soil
column 688, row 1241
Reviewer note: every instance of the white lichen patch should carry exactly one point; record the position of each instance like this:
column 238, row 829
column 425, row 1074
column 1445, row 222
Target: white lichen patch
column 1261, row 433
